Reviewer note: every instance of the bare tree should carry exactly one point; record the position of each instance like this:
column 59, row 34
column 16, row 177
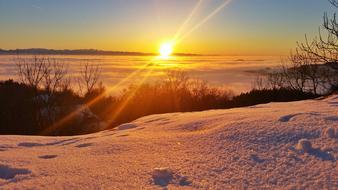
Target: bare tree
column 306, row 66
column 31, row 71
column 176, row 79
column 313, row 66
column 302, row 72
column 259, row 82
column 48, row 76
column 325, row 46
column 55, row 76
column 201, row 89
column 43, row 73
column 89, row 78
column 334, row 3
column 198, row 87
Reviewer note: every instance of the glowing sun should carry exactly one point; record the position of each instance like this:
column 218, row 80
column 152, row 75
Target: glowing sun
column 166, row 49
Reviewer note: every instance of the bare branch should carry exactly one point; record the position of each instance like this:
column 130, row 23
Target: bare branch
column 334, row 3
column 89, row 77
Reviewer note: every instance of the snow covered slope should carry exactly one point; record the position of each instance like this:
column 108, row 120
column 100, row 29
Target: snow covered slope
column 254, row 147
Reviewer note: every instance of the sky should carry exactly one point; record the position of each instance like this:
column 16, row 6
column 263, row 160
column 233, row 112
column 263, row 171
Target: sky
column 242, row 27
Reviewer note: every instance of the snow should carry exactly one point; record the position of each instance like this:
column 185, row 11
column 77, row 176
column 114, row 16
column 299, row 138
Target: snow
column 255, row 147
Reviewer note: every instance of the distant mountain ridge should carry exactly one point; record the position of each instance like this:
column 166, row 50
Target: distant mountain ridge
column 43, row 51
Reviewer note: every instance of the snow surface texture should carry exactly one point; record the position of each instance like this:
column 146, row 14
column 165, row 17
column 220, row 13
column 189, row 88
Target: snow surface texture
column 277, row 145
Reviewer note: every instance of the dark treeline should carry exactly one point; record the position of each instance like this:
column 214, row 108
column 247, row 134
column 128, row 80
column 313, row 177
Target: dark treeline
column 174, row 93
column 260, row 96
column 23, row 110
column 45, row 103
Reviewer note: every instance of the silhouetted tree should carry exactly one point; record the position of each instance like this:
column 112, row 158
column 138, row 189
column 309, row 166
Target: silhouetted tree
column 334, row 3
column 312, row 67
column 89, row 78
column 31, row 72
column 49, row 77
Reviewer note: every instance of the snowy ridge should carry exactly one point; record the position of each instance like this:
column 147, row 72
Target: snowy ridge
column 257, row 147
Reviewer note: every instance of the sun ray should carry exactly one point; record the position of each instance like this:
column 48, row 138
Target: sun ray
column 178, row 38
column 203, row 21
column 127, row 100
column 71, row 115
column 192, row 13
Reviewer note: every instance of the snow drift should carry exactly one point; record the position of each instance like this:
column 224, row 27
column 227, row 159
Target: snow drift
column 277, row 145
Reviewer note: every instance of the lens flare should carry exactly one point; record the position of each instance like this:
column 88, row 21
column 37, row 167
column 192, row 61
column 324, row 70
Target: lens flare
column 203, row 21
column 166, row 49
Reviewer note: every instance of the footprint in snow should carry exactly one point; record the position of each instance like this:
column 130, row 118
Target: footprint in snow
column 164, row 176
column 29, row 144
column 58, row 142
column 84, row 145
column 125, row 135
column 332, row 118
column 126, row 126
column 155, row 120
column 7, row 172
column 48, row 156
column 256, row 158
column 287, row 118
column 333, row 103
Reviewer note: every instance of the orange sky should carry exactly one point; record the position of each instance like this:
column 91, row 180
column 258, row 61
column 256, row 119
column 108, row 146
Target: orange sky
column 255, row 27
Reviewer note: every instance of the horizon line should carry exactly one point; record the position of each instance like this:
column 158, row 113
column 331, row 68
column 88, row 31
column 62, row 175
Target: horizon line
column 93, row 51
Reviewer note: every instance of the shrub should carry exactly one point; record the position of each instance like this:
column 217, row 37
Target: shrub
column 269, row 95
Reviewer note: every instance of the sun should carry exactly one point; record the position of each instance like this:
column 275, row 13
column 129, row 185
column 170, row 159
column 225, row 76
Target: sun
column 166, row 49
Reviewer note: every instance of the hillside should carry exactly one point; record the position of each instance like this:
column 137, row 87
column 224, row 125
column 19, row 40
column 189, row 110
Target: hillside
column 254, row 147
